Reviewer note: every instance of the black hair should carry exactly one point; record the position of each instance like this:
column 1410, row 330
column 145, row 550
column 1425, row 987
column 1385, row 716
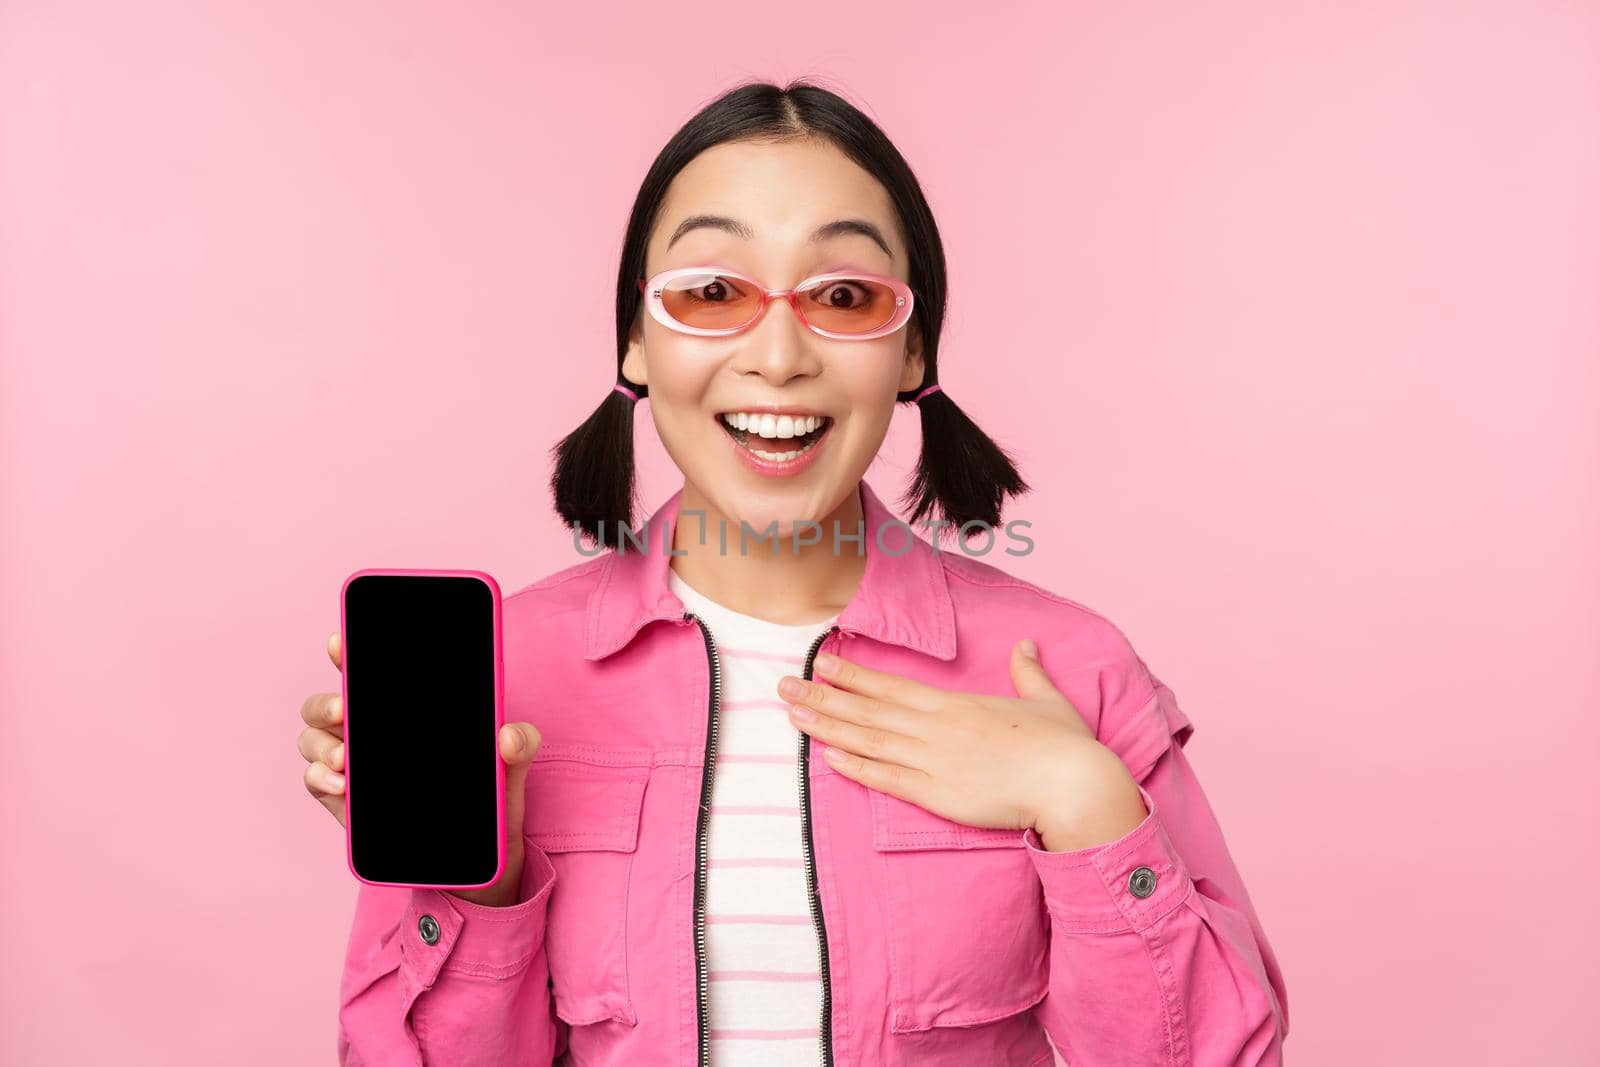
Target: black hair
column 961, row 471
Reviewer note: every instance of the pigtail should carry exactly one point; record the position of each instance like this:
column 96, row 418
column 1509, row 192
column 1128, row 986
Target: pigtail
column 593, row 481
column 961, row 469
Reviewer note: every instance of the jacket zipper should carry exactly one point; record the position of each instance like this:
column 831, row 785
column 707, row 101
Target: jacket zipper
column 702, row 845
column 811, row 871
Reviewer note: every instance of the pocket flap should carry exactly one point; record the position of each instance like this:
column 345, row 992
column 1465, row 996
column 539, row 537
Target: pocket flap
column 1158, row 724
column 900, row 826
column 586, row 798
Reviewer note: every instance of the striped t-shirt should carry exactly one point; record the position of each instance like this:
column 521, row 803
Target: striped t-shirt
column 762, row 953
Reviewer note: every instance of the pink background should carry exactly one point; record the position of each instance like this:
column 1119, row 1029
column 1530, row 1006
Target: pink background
column 1290, row 317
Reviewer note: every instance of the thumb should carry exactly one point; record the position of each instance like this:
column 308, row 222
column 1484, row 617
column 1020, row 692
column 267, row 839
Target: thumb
column 1027, row 673
column 519, row 742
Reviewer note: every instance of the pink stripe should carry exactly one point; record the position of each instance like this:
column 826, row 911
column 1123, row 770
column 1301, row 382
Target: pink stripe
column 766, row 1035
column 754, row 863
column 765, row 976
column 753, row 809
column 756, row 653
column 737, row 757
column 764, row 920
column 749, row 705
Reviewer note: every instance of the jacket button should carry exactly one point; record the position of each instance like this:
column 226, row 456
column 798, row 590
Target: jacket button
column 1142, row 882
column 428, row 927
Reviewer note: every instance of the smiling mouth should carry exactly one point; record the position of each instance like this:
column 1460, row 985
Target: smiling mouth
column 778, row 448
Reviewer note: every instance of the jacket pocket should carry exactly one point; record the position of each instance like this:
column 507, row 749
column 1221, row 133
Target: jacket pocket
column 583, row 809
column 968, row 933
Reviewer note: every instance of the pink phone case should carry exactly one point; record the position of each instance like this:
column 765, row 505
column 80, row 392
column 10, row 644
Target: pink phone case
column 499, row 721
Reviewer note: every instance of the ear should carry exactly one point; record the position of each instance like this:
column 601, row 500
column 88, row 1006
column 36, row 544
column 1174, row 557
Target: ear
column 633, row 363
column 915, row 368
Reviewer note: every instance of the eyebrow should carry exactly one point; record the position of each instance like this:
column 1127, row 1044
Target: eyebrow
column 836, row 228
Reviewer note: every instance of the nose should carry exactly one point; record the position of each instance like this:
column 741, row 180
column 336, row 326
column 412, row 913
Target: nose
column 778, row 347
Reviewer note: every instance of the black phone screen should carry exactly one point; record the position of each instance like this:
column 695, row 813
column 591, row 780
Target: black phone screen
column 421, row 753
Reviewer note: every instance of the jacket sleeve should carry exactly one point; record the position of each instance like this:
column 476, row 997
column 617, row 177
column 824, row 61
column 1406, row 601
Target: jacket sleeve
column 479, row 995
column 1183, row 974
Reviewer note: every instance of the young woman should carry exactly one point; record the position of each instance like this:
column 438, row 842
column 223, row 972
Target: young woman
column 787, row 783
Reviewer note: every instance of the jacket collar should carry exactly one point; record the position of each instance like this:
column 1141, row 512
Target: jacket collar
column 902, row 600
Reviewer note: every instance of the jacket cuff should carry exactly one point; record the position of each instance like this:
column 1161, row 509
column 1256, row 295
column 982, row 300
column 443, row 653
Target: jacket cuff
column 1095, row 889
column 474, row 938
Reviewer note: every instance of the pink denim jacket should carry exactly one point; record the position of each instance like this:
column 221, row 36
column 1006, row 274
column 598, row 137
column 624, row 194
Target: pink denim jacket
column 940, row 944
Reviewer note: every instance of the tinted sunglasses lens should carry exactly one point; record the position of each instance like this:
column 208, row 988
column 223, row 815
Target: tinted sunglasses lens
column 849, row 305
column 711, row 301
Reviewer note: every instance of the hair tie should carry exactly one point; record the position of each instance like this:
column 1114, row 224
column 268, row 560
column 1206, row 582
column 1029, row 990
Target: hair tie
column 622, row 387
column 934, row 388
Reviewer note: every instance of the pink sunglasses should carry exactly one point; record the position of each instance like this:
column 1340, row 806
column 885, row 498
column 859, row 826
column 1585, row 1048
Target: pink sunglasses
column 715, row 302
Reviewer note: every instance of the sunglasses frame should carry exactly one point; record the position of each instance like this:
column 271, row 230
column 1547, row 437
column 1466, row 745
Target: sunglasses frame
column 652, row 288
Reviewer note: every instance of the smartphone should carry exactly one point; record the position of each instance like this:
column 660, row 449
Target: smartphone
column 424, row 695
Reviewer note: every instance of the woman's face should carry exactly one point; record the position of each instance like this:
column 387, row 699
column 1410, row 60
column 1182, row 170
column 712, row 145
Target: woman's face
column 780, row 194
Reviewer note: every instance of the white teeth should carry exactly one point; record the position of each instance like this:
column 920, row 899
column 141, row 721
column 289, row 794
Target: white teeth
column 773, row 427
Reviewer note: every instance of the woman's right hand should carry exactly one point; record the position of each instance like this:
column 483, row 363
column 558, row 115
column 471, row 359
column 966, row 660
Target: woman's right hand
column 322, row 746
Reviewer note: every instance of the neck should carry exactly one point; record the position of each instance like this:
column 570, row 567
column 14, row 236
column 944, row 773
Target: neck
column 767, row 578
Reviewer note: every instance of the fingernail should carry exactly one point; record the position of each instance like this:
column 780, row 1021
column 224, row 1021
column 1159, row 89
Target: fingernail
column 516, row 742
column 826, row 662
column 335, row 781
column 1030, row 649
column 801, row 713
column 791, row 687
column 337, row 754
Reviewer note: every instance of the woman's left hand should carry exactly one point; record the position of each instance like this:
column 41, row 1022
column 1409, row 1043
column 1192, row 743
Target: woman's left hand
column 988, row 761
